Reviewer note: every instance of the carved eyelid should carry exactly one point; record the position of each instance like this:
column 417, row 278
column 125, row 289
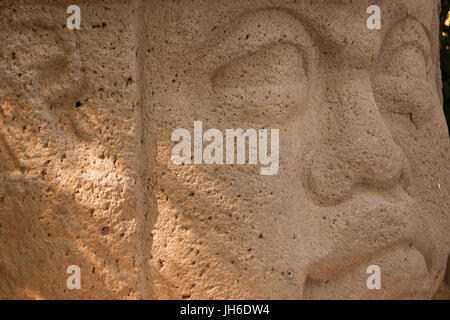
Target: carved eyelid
column 397, row 96
column 392, row 91
column 408, row 33
column 254, row 31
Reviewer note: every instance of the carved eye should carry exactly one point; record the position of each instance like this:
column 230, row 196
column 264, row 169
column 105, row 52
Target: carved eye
column 409, row 62
column 268, row 82
column 273, row 65
column 402, row 89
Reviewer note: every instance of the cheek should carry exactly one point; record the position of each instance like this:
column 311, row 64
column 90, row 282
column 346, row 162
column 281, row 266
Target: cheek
column 427, row 152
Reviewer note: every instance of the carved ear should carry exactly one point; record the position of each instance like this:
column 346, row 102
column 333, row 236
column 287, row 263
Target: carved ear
column 8, row 162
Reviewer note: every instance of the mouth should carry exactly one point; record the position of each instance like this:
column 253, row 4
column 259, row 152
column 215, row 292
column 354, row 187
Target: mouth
column 373, row 227
column 401, row 273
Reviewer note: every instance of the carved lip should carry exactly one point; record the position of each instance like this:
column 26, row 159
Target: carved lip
column 409, row 290
column 411, row 281
column 369, row 224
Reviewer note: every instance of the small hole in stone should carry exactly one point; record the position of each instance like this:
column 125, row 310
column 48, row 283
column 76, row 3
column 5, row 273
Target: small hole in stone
column 129, row 81
column 105, row 230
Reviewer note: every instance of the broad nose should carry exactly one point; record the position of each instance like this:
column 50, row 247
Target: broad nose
column 356, row 145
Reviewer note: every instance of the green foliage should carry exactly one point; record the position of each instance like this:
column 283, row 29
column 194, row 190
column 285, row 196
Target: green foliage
column 445, row 58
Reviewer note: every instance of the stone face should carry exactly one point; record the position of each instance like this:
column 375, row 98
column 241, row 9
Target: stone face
column 86, row 176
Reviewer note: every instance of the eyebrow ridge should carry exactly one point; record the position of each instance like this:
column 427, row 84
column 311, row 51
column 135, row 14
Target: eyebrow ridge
column 271, row 28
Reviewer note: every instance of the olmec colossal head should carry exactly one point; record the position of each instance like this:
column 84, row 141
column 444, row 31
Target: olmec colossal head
column 363, row 149
column 121, row 159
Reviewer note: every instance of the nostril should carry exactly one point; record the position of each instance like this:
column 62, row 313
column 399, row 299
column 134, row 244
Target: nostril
column 328, row 179
column 380, row 177
column 333, row 176
column 379, row 162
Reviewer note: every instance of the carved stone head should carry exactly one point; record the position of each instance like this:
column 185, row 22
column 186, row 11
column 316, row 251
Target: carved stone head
column 222, row 149
column 363, row 149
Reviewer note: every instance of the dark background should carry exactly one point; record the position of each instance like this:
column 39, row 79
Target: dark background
column 445, row 57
